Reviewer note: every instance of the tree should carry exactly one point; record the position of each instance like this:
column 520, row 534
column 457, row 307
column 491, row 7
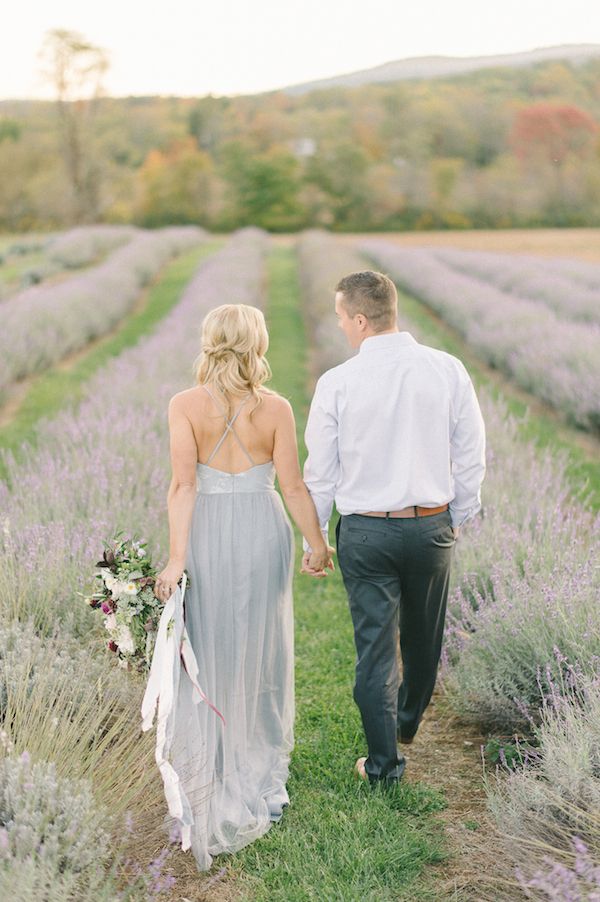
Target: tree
column 551, row 132
column 176, row 186
column 340, row 171
column 10, row 130
column 76, row 68
column 263, row 188
column 547, row 136
column 205, row 121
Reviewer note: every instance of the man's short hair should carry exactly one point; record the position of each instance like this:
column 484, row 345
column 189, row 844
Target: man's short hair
column 374, row 295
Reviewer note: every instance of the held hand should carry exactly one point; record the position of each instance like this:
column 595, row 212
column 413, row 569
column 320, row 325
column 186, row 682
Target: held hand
column 456, row 530
column 167, row 580
column 317, row 563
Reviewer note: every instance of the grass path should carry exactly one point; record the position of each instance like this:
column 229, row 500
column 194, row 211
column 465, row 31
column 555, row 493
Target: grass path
column 338, row 840
column 65, row 382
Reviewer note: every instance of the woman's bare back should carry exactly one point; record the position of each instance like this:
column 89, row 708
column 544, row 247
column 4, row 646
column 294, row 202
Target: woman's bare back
column 256, row 432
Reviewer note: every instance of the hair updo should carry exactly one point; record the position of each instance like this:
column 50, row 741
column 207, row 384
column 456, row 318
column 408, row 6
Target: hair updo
column 234, row 341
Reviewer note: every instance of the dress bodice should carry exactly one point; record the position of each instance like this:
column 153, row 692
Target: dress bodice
column 259, row 478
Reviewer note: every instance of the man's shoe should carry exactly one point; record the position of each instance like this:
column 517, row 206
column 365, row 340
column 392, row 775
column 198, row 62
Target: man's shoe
column 359, row 769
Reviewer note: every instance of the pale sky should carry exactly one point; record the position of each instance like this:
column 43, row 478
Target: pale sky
column 192, row 47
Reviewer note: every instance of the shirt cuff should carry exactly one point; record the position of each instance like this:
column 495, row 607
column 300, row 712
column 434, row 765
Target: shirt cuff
column 324, row 532
column 460, row 515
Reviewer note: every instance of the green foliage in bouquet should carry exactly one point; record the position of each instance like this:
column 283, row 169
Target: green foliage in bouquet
column 125, row 595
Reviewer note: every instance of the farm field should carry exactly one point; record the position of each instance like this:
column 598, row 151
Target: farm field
column 580, row 243
column 86, row 452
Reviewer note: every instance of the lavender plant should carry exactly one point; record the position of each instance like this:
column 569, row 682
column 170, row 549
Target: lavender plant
column 61, row 702
column 548, row 808
column 44, row 323
column 58, row 844
column 555, row 359
column 53, row 829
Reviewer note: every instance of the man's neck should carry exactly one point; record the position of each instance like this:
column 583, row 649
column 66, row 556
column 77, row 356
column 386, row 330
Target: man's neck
column 385, row 332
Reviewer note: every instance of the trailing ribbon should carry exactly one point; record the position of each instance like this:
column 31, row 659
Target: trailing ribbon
column 172, row 650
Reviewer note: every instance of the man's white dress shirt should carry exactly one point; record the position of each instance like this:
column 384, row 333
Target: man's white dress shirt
column 396, row 425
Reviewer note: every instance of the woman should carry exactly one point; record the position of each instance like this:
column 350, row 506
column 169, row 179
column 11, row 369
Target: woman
column 229, row 436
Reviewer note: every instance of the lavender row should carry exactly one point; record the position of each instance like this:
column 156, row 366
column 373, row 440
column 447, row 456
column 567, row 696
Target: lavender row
column 84, row 244
column 557, row 360
column 74, row 248
column 555, row 283
column 79, row 247
column 105, row 465
column 44, row 323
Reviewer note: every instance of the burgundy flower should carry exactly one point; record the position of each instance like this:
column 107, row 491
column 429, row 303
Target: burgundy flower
column 112, row 645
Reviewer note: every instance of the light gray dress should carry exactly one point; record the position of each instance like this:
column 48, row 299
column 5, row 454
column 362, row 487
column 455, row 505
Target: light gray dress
column 239, row 617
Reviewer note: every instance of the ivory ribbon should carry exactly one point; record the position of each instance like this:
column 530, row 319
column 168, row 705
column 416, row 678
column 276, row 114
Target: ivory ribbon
column 172, row 650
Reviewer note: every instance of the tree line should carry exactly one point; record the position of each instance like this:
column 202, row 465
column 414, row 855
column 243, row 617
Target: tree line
column 497, row 148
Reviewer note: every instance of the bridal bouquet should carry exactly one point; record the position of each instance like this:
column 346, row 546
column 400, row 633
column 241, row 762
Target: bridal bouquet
column 125, row 595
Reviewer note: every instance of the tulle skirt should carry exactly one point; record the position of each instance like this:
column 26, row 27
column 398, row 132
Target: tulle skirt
column 239, row 617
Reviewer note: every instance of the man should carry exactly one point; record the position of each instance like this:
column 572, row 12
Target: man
column 395, row 436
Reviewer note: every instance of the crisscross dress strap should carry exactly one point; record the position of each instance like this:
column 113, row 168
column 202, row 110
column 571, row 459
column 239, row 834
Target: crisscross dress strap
column 228, row 428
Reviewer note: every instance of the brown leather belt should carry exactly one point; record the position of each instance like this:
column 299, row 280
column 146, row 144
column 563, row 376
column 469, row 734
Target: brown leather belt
column 415, row 510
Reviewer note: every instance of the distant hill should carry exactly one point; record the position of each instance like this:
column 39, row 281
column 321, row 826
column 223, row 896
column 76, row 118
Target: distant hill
column 440, row 66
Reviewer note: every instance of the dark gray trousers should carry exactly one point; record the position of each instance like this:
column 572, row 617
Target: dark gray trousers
column 396, row 573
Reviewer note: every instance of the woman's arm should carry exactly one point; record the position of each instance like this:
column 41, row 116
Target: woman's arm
column 181, row 496
column 293, row 489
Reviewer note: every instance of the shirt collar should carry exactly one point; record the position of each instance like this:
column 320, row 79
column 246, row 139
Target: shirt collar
column 386, row 342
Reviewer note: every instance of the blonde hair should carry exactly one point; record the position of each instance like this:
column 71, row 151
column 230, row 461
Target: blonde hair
column 234, row 341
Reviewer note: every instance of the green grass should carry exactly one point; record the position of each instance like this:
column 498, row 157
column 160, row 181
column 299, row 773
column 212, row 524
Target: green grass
column 12, row 272
column 53, row 389
column 583, row 468
column 338, row 840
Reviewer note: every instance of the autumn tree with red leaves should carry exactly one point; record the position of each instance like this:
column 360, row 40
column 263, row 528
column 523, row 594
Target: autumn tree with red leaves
column 552, row 132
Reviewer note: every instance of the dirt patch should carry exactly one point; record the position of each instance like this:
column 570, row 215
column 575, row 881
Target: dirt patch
column 581, row 243
column 446, row 755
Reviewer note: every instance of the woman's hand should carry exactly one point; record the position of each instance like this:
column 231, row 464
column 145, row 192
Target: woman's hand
column 316, row 563
column 167, row 580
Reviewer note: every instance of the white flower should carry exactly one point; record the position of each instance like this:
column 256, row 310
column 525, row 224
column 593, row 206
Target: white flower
column 124, row 639
column 141, row 552
column 117, row 588
column 109, row 580
column 110, row 623
column 6, row 526
column 129, row 589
